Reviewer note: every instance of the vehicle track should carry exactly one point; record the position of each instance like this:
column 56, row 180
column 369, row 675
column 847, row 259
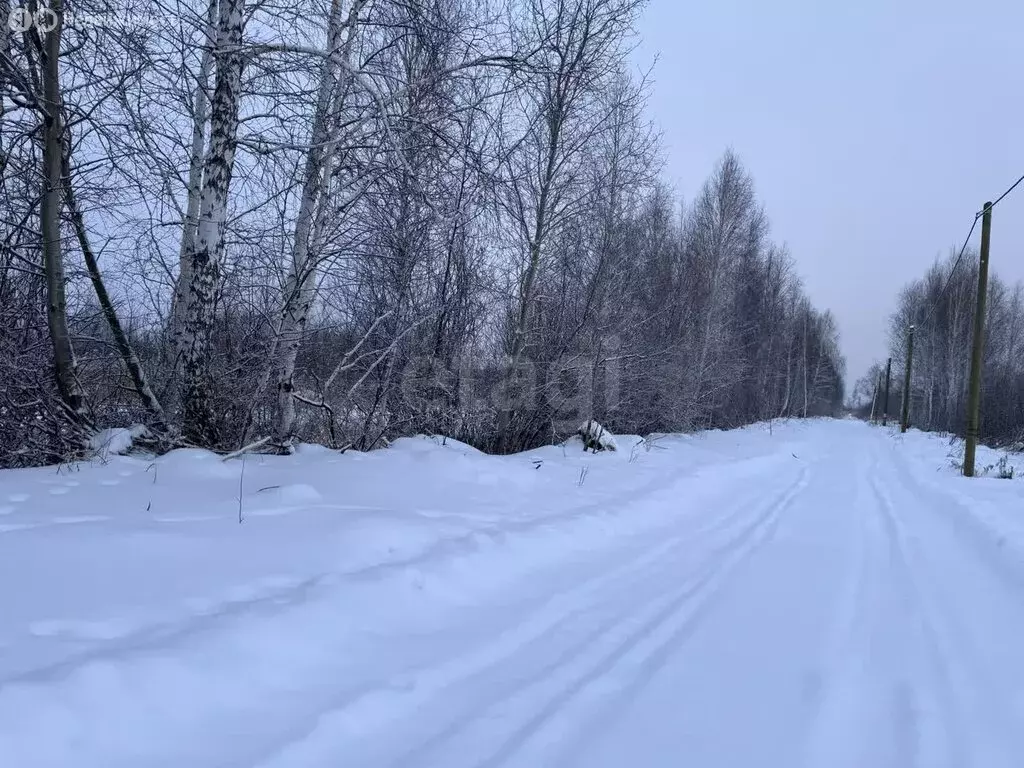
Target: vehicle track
column 585, row 644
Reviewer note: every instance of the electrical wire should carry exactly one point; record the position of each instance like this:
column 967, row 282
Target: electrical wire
column 963, row 249
column 959, row 258
column 1007, row 192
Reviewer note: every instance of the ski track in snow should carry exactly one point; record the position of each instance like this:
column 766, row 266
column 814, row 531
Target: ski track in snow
column 588, row 655
column 815, row 596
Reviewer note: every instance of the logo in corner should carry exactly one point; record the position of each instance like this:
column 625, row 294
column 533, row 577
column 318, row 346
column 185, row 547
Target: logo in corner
column 20, row 19
column 46, row 19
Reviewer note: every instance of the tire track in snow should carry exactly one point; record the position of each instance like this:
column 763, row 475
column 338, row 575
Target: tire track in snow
column 558, row 619
column 140, row 662
column 150, row 638
column 950, row 714
column 373, row 708
column 158, row 635
column 665, row 645
column 966, row 526
column 665, row 618
column 876, row 678
column 988, row 731
column 909, row 688
column 837, row 696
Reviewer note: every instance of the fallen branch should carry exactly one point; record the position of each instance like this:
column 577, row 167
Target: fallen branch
column 249, row 447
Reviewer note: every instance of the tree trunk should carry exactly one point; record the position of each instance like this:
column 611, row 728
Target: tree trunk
column 300, row 286
column 784, row 411
column 193, row 193
column 805, row 365
column 874, row 401
column 124, row 347
column 526, row 292
column 198, row 419
column 65, row 366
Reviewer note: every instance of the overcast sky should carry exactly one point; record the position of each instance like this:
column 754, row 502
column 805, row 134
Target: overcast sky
column 873, row 129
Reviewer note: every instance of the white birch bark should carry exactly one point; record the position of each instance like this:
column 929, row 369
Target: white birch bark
column 197, row 423
column 193, row 192
column 300, row 285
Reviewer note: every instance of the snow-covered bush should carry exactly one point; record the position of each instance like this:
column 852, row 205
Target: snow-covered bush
column 1004, row 469
column 595, row 437
column 108, row 442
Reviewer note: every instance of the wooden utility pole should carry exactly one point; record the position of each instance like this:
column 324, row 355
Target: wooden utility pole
column 905, row 415
column 977, row 348
column 885, row 401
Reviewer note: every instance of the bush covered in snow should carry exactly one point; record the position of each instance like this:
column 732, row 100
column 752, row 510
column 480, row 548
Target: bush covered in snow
column 118, row 440
column 595, row 437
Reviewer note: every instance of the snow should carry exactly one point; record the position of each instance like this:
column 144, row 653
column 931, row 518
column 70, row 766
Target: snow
column 116, row 440
column 595, row 437
column 822, row 593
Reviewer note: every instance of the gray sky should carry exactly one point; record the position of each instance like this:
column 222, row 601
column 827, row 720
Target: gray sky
column 874, row 130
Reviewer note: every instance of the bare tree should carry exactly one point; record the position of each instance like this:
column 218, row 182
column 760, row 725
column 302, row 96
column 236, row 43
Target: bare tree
column 582, row 45
column 941, row 306
column 299, row 288
column 205, row 263
column 350, row 221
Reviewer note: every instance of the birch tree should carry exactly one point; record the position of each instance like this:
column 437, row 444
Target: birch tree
column 193, row 192
column 198, row 424
column 299, row 287
column 65, row 365
column 581, row 45
column 356, row 221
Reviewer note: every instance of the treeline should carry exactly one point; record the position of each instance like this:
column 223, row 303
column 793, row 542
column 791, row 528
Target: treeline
column 941, row 306
column 241, row 224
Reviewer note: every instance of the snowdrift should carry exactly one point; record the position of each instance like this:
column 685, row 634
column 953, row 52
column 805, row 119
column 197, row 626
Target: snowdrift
column 192, row 611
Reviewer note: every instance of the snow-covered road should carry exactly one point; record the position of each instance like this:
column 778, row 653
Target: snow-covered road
column 824, row 595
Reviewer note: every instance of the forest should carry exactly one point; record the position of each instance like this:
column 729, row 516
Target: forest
column 941, row 307
column 241, row 223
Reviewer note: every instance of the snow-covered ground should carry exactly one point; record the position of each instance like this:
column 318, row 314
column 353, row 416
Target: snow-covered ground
column 822, row 594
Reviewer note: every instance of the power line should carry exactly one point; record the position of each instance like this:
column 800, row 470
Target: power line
column 959, row 258
column 963, row 249
column 1007, row 192
column 976, row 359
